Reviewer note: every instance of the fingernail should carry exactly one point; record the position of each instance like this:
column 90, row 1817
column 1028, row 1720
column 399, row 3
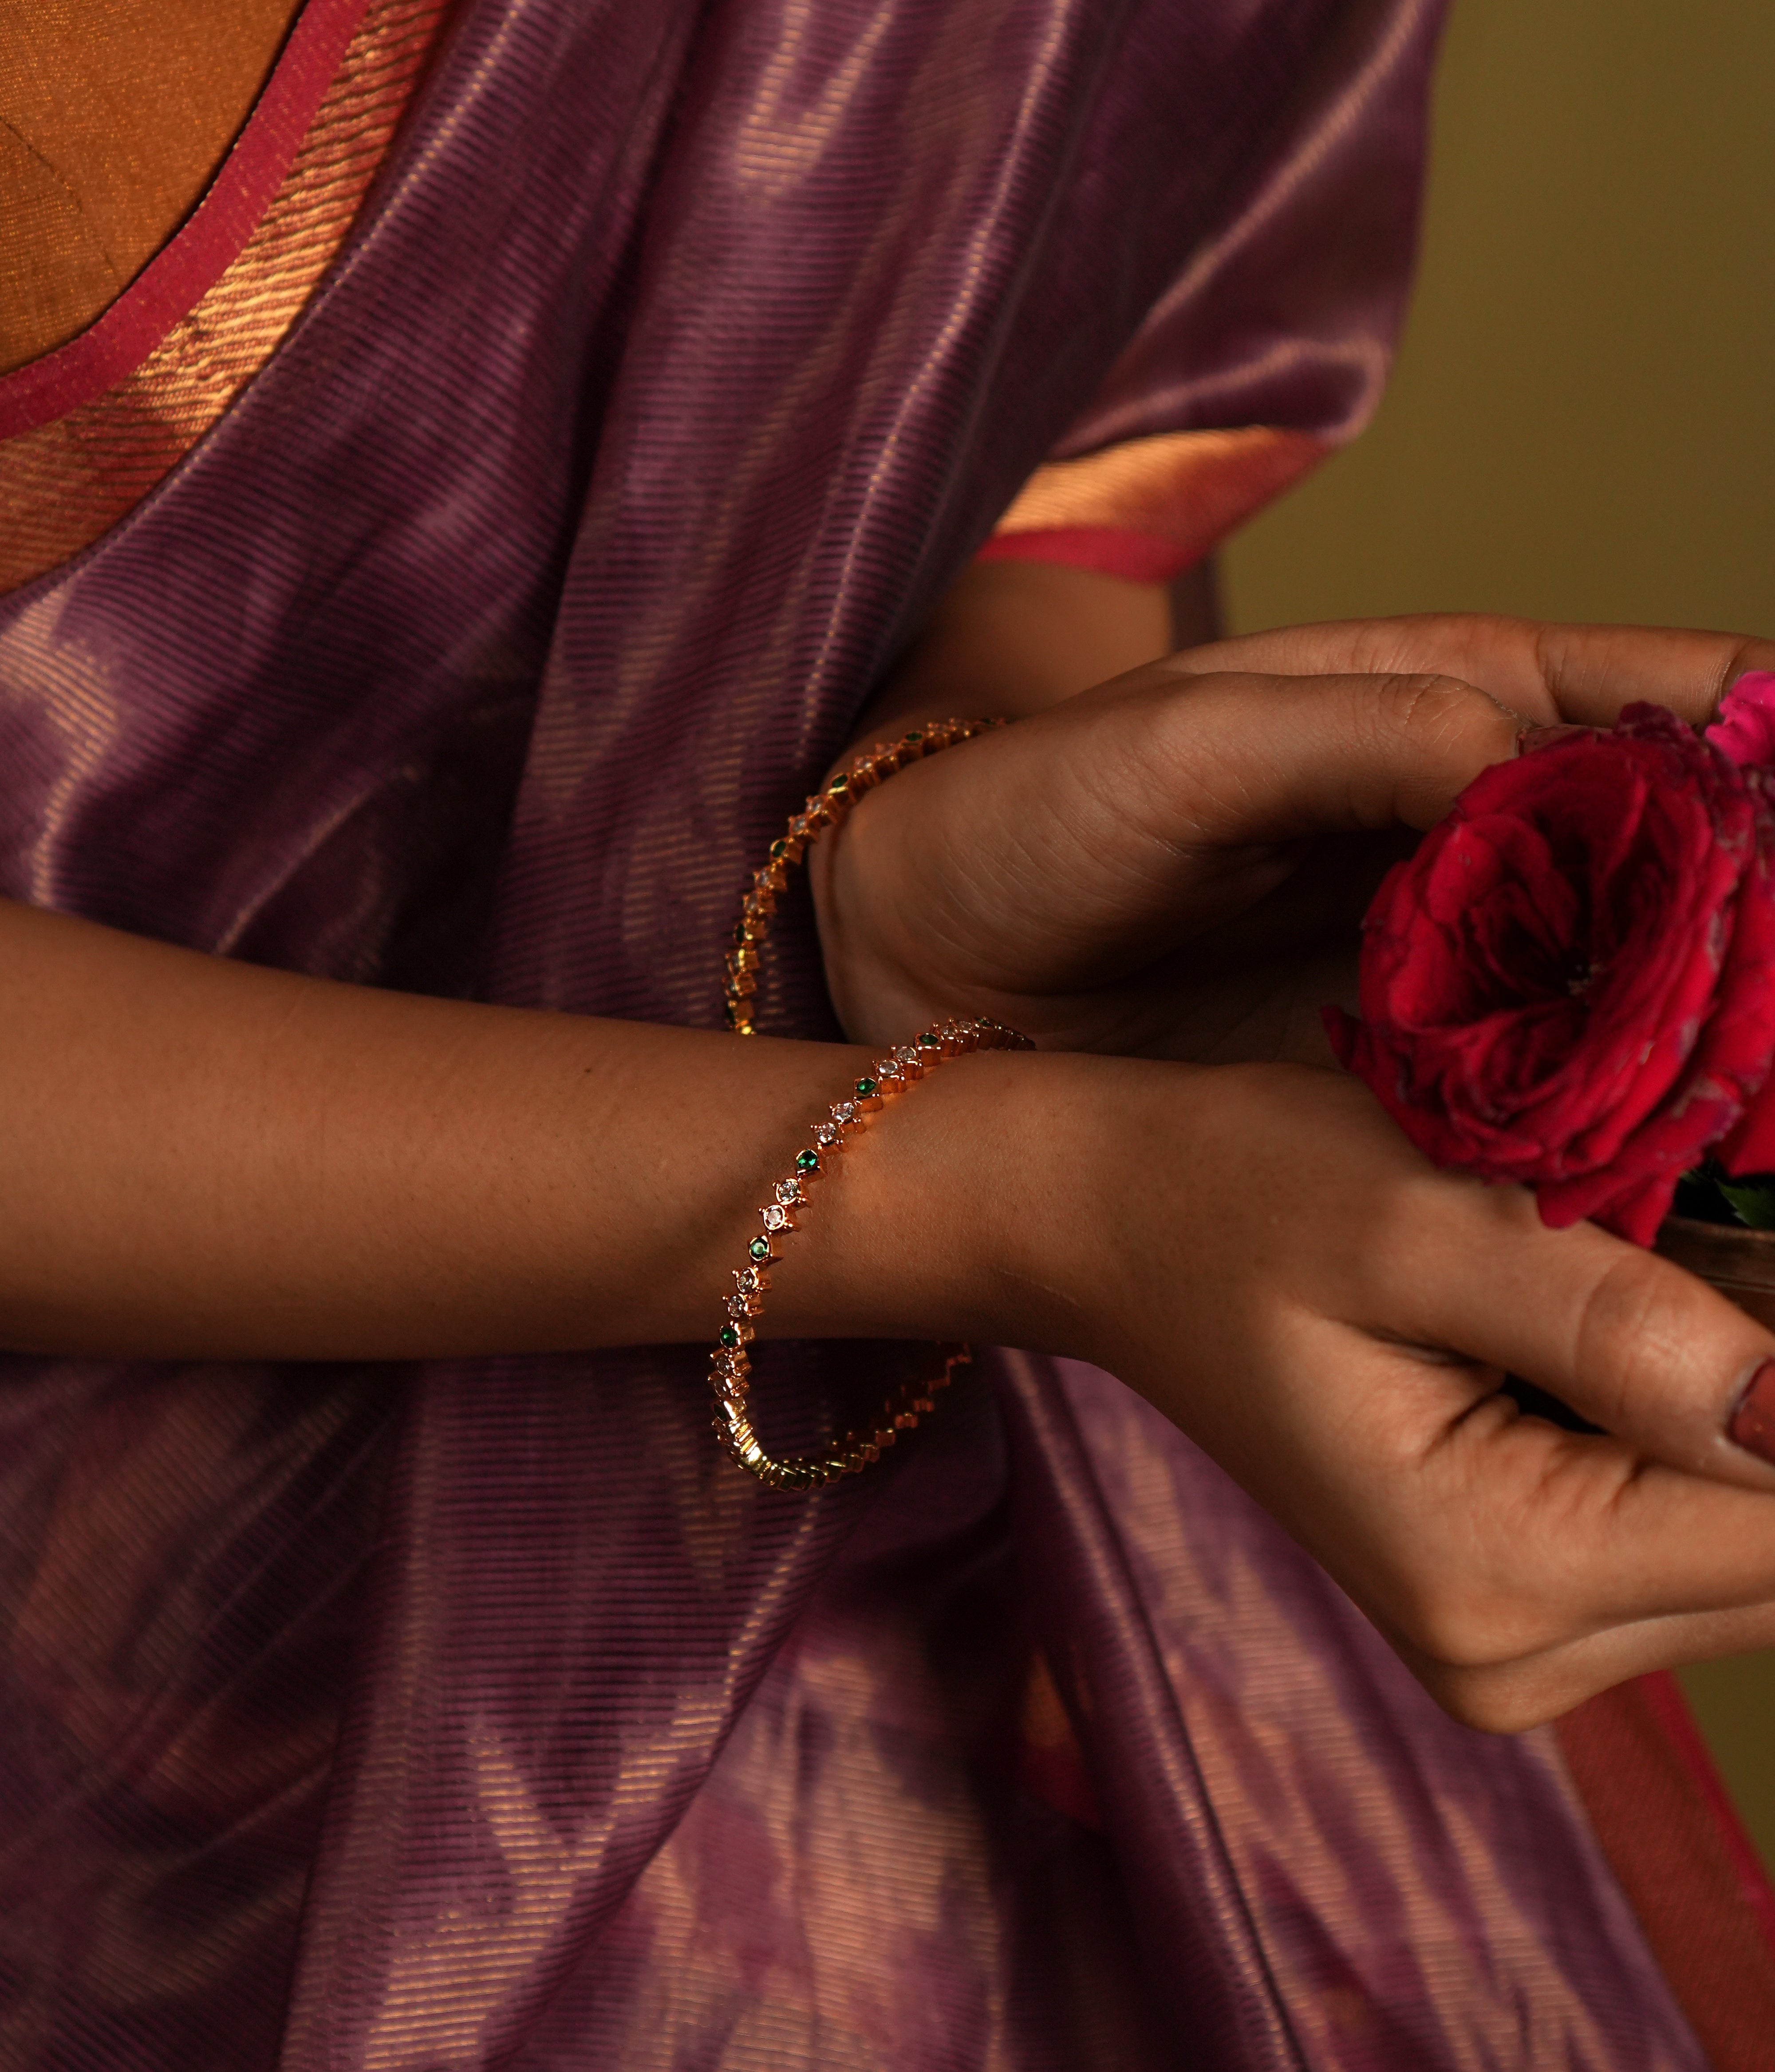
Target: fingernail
column 1752, row 1424
column 1529, row 738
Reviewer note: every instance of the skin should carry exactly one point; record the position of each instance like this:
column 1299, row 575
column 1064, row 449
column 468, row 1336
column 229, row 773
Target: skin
column 208, row 1159
column 1171, row 863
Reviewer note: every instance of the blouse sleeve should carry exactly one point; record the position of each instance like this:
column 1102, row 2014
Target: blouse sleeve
column 1270, row 347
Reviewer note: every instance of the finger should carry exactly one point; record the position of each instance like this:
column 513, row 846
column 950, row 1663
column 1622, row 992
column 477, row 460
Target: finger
column 1545, row 671
column 1243, row 758
column 1107, row 827
column 1632, row 1343
column 1593, row 670
column 1513, row 1538
column 1571, row 1534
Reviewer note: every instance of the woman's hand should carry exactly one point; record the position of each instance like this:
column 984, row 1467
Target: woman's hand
column 1169, row 864
column 1259, row 1252
column 1172, row 863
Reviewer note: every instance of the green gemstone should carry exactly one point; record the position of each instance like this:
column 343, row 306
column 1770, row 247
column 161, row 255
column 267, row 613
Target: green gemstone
column 807, row 1161
column 915, row 737
column 759, row 1247
column 840, row 782
column 778, row 850
column 729, row 1335
column 867, row 1089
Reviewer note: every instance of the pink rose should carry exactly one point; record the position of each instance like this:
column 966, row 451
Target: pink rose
column 1744, row 727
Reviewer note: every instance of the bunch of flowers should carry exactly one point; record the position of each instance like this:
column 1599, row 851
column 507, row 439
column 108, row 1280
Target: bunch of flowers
column 1572, row 983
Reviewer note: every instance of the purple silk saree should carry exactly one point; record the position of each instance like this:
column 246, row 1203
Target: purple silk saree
column 480, row 1715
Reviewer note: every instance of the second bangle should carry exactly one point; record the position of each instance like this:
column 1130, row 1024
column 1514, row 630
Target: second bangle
column 730, row 1367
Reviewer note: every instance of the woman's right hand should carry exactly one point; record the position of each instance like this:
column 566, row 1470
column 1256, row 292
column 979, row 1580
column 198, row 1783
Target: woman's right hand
column 1260, row 1253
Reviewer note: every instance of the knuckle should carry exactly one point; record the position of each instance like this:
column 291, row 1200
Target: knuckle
column 1443, row 707
column 1408, row 703
column 1640, row 1328
column 1442, row 732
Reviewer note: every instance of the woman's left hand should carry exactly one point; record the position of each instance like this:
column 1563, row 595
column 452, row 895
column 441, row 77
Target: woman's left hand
column 1174, row 863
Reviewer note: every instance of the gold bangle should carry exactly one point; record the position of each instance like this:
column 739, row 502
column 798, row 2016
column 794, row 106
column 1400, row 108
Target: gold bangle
column 730, row 1367
column 826, row 809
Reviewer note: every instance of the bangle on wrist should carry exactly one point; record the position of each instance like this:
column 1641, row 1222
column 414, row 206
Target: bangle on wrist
column 730, row 1367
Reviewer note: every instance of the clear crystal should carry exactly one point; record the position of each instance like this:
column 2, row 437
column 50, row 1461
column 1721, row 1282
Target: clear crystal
column 776, row 1218
column 788, row 1191
column 738, row 1306
column 750, row 1280
column 826, row 1134
column 844, row 1112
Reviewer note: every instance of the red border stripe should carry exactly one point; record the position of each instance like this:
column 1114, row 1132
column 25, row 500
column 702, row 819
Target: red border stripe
column 1111, row 550
column 1664, row 1696
column 186, row 268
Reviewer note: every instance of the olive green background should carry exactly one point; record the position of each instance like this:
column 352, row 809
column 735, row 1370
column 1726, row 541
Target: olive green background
column 1582, row 423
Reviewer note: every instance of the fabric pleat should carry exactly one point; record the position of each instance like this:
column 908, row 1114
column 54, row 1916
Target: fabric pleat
column 478, row 1714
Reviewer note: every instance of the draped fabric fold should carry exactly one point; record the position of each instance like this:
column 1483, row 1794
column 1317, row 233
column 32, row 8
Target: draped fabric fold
column 478, row 1714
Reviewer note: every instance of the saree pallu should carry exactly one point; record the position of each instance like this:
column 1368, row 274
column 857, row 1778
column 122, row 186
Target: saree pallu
column 479, row 1715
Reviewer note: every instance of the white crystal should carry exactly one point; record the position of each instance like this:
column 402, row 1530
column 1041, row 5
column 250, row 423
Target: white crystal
column 788, row 1191
column 776, row 1218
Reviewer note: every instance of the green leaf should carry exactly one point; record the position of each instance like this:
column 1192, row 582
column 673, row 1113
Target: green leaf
column 1753, row 1203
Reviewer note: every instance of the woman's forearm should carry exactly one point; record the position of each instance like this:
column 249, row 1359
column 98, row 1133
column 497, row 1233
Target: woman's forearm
column 1011, row 638
column 206, row 1158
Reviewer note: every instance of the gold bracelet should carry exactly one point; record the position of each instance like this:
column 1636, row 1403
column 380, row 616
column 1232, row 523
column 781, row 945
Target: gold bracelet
column 827, row 809
column 730, row 1367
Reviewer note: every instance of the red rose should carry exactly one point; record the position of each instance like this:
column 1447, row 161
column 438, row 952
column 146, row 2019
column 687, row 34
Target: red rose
column 1571, row 984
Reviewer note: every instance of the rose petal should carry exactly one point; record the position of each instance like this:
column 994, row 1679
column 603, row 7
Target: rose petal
column 1637, row 1214
column 1744, row 727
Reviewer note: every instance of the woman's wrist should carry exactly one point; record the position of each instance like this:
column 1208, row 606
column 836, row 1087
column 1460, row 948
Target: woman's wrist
column 987, row 1207
column 921, row 1230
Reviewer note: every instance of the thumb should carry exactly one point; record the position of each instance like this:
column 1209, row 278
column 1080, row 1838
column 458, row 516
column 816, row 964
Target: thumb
column 1650, row 1353
column 1272, row 759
